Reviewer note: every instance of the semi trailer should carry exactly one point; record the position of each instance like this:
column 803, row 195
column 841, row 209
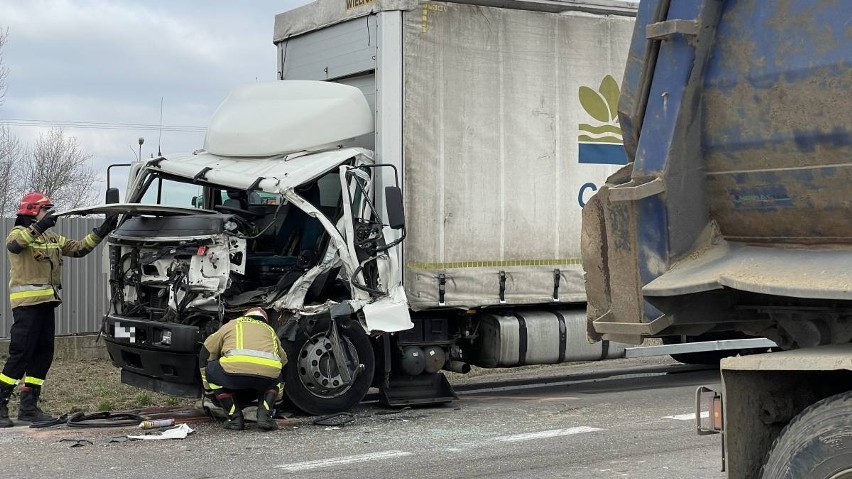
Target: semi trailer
column 405, row 199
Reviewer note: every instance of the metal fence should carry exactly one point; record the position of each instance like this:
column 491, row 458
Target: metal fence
column 84, row 282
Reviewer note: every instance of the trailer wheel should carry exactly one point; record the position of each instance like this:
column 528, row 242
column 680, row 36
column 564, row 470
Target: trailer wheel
column 817, row 443
column 312, row 380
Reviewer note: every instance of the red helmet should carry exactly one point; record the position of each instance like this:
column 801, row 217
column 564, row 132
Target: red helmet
column 258, row 313
column 32, row 203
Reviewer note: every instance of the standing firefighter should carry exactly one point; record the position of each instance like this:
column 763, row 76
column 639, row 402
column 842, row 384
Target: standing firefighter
column 244, row 356
column 35, row 259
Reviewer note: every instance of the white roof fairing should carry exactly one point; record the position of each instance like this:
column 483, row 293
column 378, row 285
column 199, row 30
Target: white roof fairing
column 274, row 118
column 279, row 173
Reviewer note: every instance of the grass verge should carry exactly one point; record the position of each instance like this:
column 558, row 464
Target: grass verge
column 94, row 385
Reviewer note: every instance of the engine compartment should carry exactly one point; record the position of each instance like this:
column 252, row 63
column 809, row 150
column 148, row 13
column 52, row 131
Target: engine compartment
column 195, row 269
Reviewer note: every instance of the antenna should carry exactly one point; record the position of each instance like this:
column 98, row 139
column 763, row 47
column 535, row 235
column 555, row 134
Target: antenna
column 160, row 134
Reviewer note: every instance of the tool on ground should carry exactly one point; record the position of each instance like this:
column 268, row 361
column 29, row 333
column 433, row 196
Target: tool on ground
column 156, row 423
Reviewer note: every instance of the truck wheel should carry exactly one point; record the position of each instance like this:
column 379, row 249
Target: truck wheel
column 815, row 444
column 311, row 378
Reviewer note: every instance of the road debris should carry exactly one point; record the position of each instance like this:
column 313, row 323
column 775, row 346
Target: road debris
column 77, row 442
column 177, row 432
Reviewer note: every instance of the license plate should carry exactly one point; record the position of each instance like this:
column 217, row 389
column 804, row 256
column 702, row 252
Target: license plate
column 125, row 332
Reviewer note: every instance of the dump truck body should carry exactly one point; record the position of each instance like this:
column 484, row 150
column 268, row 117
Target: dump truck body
column 732, row 217
column 736, row 122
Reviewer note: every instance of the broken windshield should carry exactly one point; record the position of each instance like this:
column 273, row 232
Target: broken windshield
column 169, row 192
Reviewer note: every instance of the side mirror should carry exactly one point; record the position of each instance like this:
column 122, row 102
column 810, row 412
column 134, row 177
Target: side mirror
column 393, row 203
column 196, row 201
column 112, row 196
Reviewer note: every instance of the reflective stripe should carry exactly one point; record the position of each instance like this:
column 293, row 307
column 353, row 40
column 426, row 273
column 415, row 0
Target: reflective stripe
column 45, row 246
column 31, row 294
column 275, row 342
column 7, row 380
column 26, row 236
column 33, row 381
column 239, row 331
column 213, row 386
column 90, row 241
column 28, row 287
column 247, row 319
column 252, row 360
column 253, row 353
column 62, row 241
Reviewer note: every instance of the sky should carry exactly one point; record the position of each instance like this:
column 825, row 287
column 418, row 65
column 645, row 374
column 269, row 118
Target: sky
column 112, row 62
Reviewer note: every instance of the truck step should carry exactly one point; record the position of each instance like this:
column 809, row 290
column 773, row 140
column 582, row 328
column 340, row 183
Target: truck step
column 422, row 389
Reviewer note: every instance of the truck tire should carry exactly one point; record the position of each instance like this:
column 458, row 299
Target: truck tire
column 311, row 377
column 817, row 443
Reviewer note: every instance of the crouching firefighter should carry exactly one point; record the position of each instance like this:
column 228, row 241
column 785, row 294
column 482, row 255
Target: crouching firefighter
column 244, row 357
column 35, row 262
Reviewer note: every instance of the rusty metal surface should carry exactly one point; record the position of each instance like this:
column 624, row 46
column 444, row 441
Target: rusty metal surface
column 84, row 283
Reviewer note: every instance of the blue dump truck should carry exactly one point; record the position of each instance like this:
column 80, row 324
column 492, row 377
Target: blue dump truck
column 733, row 217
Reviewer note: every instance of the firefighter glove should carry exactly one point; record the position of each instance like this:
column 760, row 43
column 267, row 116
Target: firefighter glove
column 49, row 221
column 107, row 226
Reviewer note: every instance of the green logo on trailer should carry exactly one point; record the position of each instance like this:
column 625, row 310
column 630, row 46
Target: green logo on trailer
column 600, row 140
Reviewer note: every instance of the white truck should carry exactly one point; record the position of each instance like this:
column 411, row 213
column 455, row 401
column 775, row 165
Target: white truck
column 491, row 122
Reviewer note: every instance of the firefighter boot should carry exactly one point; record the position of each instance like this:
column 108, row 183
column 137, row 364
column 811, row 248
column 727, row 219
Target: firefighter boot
column 5, row 393
column 29, row 410
column 266, row 410
column 233, row 411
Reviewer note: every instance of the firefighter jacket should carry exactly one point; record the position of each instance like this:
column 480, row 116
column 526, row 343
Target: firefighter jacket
column 245, row 346
column 35, row 263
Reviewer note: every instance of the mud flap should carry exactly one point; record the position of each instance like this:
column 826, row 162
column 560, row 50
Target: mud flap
column 422, row 389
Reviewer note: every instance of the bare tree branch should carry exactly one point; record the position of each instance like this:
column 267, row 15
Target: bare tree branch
column 59, row 168
column 11, row 150
column 4, row 35
column 12, row 155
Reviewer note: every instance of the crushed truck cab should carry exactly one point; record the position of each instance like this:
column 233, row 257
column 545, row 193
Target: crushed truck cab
column 278, row 222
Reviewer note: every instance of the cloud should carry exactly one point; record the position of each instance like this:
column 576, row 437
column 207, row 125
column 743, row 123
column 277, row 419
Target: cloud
column 102, row 46
column 112, row 62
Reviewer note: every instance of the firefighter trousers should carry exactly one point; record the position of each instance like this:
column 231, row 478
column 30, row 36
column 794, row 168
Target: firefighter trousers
column 31, row 343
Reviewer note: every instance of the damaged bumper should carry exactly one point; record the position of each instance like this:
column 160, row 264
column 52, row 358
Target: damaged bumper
column 160, row 357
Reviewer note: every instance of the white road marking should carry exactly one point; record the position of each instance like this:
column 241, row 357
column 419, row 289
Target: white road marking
column 339, row 461
column 546, row 434
column 688, row 417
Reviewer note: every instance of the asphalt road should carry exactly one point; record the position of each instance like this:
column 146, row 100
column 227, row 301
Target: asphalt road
column 632, row 420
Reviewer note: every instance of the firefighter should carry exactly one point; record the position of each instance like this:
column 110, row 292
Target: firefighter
column 35, row 260
column 244, row 356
